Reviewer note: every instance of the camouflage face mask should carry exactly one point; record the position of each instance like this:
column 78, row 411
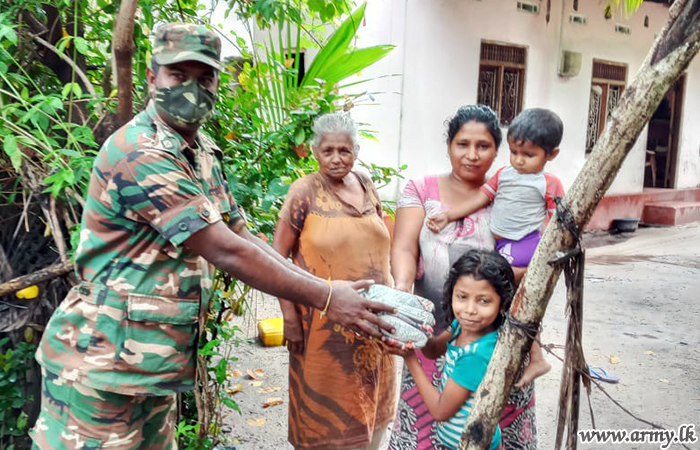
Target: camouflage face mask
column 188, row 103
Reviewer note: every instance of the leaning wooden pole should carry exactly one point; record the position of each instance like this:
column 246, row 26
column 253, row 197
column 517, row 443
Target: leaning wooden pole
column 676, row 45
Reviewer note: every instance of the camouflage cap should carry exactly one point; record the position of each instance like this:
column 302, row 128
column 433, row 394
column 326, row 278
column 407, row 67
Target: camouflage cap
column 176, row 42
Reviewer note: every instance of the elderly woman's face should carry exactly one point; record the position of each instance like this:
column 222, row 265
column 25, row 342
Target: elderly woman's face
column 472, row 152
column 335, row 155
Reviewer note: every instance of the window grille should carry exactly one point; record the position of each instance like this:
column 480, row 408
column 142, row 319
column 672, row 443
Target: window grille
column 607, row 85
column 502, row 79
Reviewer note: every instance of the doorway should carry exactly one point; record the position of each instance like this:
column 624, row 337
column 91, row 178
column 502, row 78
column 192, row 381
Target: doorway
column 662, row 139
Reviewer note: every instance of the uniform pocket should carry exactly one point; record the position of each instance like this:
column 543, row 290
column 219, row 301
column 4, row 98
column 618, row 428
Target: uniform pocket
column 151, row 308
column 159, row 338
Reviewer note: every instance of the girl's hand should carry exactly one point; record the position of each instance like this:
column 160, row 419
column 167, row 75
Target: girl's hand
column 395, row 347
column 437, row 345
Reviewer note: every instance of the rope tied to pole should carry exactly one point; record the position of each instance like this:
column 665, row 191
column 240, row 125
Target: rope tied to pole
column 572, row 263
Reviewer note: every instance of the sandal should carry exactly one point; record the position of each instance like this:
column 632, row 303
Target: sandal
column 601, row 374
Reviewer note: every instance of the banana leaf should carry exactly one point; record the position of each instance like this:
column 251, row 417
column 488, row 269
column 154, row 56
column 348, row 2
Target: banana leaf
column 352, row 63
column 336, row 61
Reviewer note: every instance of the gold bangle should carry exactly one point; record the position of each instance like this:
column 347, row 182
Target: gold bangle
column 328, row 300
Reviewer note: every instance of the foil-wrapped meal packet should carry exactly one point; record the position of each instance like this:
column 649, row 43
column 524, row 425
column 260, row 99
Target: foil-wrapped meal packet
column 413, row 320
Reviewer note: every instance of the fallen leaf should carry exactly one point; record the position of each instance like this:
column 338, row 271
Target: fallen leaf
column 269, row 390
column 235, row 389
column 237, row 373
column 256, row 383
column 614, row 359
column 649, row 352
column 256, row 422
column 255, row 374
column 272, row 401
column 663, row 380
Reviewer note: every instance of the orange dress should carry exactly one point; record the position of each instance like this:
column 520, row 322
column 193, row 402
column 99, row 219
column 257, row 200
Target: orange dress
column 342, row 387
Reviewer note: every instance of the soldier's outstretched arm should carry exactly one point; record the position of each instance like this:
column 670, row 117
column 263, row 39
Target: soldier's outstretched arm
column 260, row 270
column 240, row 229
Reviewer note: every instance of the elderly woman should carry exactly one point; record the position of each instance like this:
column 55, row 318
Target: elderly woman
column 421, row 261
column 341, row 386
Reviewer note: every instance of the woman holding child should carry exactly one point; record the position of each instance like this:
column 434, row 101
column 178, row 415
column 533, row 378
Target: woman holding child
column 421, row 261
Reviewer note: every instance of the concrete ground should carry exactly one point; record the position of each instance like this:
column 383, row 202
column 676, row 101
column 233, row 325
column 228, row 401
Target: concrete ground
column 641, row 311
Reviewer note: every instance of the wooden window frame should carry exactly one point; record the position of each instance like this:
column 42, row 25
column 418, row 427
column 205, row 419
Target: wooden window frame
column 500, row 67
column 605, row 83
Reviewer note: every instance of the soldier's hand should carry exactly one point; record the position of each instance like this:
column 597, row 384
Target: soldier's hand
column 355, row 312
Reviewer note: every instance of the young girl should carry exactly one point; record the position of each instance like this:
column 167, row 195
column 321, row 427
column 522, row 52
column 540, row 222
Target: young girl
column 477, row 294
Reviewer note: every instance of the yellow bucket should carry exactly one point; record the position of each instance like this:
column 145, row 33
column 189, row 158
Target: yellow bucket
column 271, row 332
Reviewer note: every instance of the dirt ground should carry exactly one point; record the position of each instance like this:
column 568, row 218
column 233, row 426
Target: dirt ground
column 641, row 310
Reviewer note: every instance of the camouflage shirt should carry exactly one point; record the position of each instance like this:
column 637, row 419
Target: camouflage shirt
column 131, row 324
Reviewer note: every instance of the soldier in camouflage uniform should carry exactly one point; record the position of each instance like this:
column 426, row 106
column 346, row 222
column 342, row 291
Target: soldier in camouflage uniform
column 159, row 216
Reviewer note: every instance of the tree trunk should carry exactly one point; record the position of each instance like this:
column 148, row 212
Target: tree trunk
column 123, row 47
column 674, row 48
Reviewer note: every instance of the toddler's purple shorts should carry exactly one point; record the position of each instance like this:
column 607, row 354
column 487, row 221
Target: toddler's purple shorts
column 519, row 253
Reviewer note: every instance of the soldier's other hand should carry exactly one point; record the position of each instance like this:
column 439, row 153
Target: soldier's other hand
column 355, row 312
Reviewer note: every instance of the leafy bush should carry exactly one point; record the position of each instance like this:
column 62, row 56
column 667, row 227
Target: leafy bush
column 14, row 364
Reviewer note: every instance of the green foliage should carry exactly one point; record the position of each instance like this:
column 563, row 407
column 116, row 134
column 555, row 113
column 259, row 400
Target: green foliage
column 49, row 124
column 628, row 6
column 264, row 118
column 337, row 61
column 187, row 433
column 271, row 12
column 14, row 363
column 216, row 353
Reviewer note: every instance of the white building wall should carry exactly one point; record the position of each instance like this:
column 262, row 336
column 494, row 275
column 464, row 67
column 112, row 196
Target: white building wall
column 688, row 166
column 440, row 51
column 598, row 40
column 381, row 113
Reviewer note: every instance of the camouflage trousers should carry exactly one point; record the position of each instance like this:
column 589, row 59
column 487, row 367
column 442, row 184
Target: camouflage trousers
column 76, row 417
